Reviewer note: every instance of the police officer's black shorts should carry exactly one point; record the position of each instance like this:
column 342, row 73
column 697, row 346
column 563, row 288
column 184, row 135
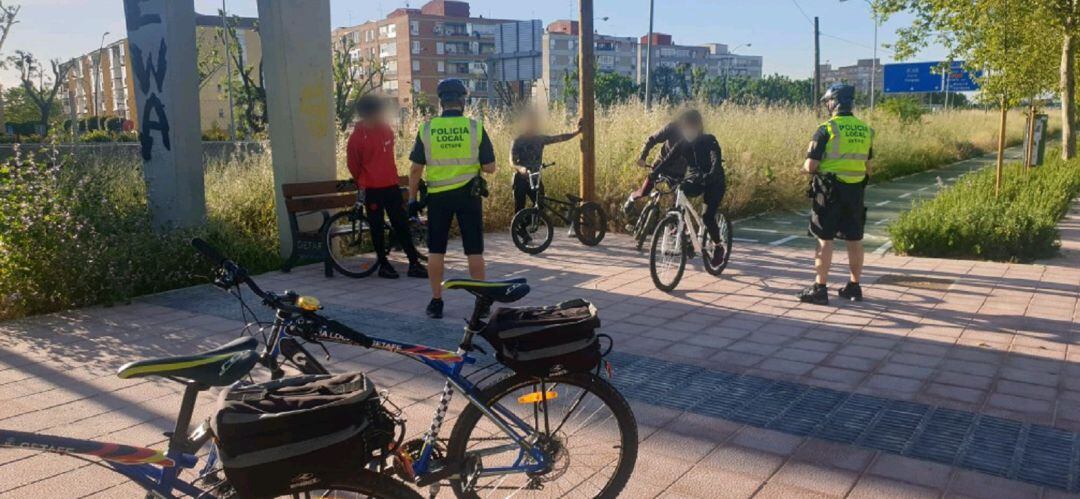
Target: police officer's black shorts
column 443, row 207
column 840, row 214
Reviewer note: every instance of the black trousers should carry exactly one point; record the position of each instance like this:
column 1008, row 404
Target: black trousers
column 523, row 191
column 385, row 203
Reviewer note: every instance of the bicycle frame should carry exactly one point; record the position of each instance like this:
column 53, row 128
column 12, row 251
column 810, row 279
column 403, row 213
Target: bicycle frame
column 689, row 221
column 156, row 472
column 450, row 366
column 542, row 201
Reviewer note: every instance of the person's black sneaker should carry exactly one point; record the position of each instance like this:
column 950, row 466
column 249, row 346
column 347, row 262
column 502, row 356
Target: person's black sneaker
column 852, row 291
column 417, row 270
column 386, row 271
column 818, row 294
column 434, row 308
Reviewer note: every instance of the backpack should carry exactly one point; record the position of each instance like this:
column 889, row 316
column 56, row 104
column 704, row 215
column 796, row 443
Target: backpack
column 272, row 435
column 546, row 341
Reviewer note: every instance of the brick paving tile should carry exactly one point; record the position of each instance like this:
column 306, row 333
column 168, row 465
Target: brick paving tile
column 979, row 485
column 870, row 486
column 824, row 480
column 924, row 473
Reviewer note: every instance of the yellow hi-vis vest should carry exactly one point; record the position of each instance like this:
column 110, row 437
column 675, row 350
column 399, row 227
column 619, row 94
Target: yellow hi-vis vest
column 848, row 150
column 452, row 150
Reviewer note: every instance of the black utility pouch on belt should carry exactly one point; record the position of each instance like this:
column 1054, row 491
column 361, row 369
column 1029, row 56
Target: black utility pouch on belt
column 478, row 187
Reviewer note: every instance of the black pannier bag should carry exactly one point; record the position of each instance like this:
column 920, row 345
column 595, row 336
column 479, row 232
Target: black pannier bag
column 543, row 341
column 280, row 434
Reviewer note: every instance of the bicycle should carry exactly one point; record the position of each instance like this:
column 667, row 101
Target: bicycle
column 491, row 442
column 587, row 220
column 650, row 214
column 159, row 472
column 680, row 235
column 349, row 243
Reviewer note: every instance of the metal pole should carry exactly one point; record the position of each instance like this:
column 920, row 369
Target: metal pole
column 648, row 60
column 817, row 61
column 873, row 70
column 587, row 101
column 228, row 71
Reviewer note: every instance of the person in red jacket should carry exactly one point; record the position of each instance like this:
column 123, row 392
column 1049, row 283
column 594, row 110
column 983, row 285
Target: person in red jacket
column 370, row 155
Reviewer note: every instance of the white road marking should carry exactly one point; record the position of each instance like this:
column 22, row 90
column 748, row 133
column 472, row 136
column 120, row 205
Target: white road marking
column 778, row 242
column 744, row 240
column 883, row 203
column 883, row 248
column 754, row 229
column 923, row 189
column 906, row 195
column 883, row 221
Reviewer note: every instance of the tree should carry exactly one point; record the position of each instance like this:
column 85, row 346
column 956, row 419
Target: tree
column 249, row 91
column 208, row 59
column 8, row 14
column 18, row 107
column 354, row 77
column 614, row 88
column 1013, row 41
column 39, row 87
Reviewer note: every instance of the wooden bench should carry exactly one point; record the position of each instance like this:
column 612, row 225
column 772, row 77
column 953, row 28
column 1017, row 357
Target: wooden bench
column 311, row 198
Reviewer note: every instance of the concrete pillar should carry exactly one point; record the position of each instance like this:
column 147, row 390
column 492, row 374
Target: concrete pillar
column 161, row 38
column 296, row 64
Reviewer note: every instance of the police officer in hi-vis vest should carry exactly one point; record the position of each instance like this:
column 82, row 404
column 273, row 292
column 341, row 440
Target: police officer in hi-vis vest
column 451, row 151
column 839, row 160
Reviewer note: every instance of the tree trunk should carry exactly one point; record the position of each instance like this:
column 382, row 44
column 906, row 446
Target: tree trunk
column 1029, row 146
column 1068, row 96
column 1001, row 147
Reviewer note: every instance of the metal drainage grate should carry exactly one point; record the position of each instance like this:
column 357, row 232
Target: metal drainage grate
column 915, row 281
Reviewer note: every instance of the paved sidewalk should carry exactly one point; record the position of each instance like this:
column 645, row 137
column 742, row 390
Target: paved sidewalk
column 953, row 379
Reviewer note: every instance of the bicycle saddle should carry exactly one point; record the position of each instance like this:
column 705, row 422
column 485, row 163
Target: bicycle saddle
column 221, row 366
column 507, row 291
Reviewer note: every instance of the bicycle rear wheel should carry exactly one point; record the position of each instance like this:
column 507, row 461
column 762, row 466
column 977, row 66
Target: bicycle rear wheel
column 584, row 426
column 348, row 240
column 590, row 227
column 360, row 484
column 667, row 259
column 532, row 231
column 716, row 255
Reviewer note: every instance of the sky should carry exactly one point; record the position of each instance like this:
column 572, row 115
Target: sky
column 779, row 30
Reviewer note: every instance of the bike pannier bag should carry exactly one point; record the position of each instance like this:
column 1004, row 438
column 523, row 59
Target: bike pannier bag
column 286, row 433
column 543, row 341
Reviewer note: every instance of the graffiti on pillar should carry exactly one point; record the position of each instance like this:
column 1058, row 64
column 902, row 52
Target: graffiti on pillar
column 149, row 73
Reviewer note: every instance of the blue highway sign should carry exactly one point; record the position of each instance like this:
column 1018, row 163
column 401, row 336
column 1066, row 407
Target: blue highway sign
column 925, row 77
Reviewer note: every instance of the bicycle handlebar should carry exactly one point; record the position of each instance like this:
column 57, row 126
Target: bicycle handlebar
column 234, row 275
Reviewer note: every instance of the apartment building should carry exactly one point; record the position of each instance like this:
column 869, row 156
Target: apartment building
column 858, row 76
column 716, row 58
column 614, row 54
column 101, row 82
column 419, row 47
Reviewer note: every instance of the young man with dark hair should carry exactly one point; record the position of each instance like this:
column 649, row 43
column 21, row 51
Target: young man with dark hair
column 527, row 154
column 667, row 137
column 370, row 155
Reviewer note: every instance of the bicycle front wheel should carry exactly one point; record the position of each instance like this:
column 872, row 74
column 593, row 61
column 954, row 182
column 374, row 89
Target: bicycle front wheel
column 360, row 484
column 532, row 231
column 348, row 240
column 667, row 259
column 646, row 224
column 717, row 254
column 584, row 427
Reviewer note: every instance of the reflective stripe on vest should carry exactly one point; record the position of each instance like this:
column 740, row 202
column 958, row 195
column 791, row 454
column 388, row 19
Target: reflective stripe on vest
column 452, row 149
column 850, row 142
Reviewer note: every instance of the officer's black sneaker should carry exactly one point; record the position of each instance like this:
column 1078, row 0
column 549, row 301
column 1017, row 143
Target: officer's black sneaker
column 852, row 291
column 434, row 309
column 417, row 270
column 386, row 271
column 818, row 294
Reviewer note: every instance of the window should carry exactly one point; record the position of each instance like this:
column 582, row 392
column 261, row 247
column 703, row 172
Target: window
column 416, row 47
column 390, row 85
column 388, row 31
column 441, row 67
column 416, row 65
column 414, row 27
column 416, row 85
column 455, row 29
column 440, row 48
column 388, row 50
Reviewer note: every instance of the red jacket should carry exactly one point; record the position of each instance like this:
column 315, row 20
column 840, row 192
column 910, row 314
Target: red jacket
column 370, row 155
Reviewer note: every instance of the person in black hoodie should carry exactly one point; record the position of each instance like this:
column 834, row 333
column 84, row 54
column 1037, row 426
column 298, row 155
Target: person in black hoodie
column 704, row 161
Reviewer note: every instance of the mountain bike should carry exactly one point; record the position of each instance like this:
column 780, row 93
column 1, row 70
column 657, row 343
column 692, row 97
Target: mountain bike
column 646, row 221
column 532, row 230
column 568, row 434
column 348, row 240
column 159, row 472
column 681, row 235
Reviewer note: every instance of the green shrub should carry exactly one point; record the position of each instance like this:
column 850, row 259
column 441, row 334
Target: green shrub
column 215, row 134
column 968, row 221
column 906, row 109
column 96, row 136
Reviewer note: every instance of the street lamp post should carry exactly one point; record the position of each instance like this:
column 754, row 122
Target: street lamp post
column 648, row 60
column 98, row 74
column 874, row 63
column 227, row 38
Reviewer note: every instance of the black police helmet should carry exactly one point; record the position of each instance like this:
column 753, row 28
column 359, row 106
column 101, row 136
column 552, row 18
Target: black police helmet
column 451, row 89
column 842, row 93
